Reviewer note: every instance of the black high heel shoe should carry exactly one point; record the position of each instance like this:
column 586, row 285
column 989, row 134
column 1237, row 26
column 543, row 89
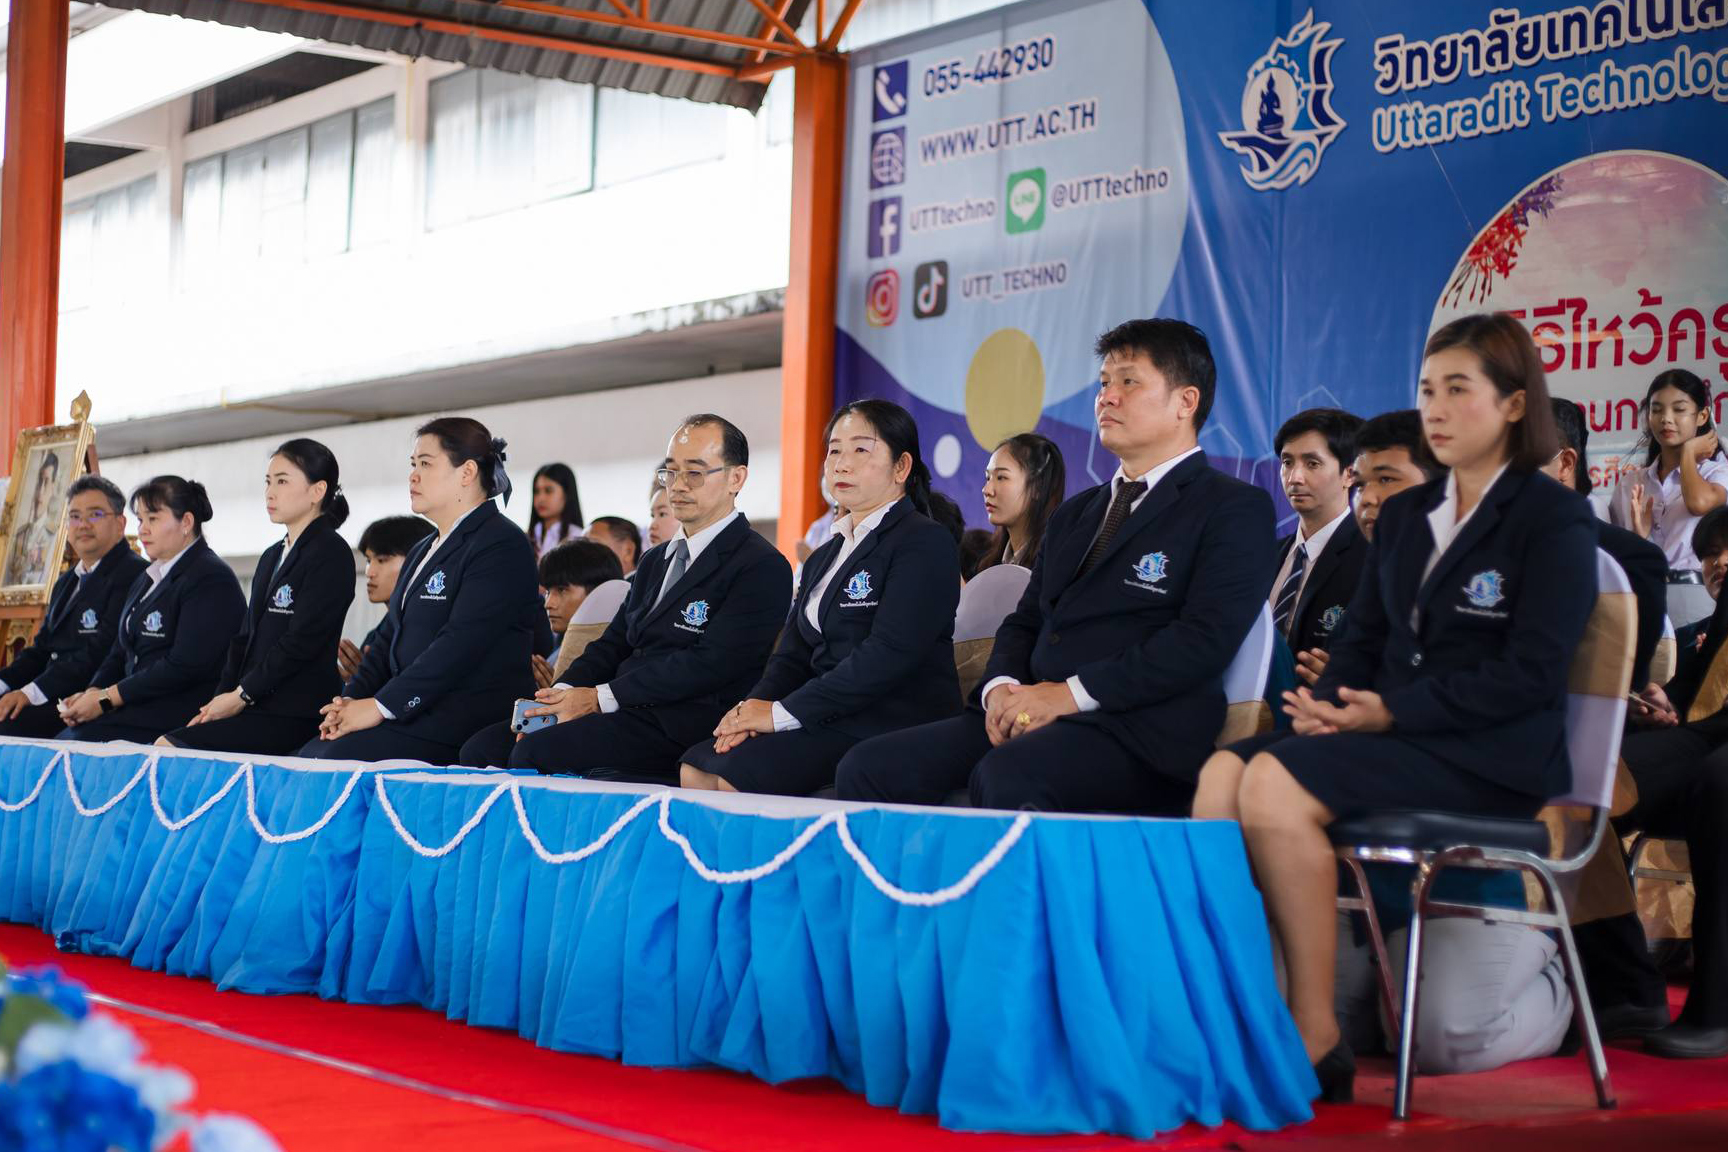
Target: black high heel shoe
column 1337, row 1073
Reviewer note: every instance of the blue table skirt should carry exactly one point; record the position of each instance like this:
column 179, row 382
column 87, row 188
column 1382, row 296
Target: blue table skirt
column 1071, row 974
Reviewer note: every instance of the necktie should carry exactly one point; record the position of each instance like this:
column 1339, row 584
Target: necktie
column 1285, row 606
column 1123, row 503
column 65, row 605
column 675, row 569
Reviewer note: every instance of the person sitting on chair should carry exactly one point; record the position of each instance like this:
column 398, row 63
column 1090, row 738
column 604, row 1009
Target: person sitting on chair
column 691, row 637
column 1024, row 483
column 1105, row 690
column 567, row 574
column 83, row 614
column 1448, row 689
column 869, row 646
column 180, row 616
column 384, row 544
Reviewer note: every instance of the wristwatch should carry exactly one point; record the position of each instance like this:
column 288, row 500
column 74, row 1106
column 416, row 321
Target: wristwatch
column 245, row 697
column 106, row 701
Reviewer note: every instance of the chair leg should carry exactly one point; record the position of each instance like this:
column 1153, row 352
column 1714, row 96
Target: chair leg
column 1632, row 856
column 1582, row 1012
column 1376, row 941
column 1412, row 994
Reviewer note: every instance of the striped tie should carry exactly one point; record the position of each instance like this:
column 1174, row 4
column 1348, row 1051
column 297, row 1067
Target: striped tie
column 1289, row 591
column 1120, row 505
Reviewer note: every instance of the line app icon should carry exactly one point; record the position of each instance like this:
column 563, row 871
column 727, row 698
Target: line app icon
column 930, row 290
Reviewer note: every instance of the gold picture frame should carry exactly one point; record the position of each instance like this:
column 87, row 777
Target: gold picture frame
column 45, row 462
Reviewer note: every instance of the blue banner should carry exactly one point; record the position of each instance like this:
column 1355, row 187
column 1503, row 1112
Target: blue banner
column 1317, row 188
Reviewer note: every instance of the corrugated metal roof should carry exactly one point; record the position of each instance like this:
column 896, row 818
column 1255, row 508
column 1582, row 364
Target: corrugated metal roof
column 734, row 17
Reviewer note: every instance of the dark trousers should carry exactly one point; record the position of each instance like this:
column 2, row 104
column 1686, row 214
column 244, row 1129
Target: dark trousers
column 1062, row 767
column 114, row 727
column 250, row 732
column 37, row 722
column 385, row 742
column 1682, row 777
column 626, row 745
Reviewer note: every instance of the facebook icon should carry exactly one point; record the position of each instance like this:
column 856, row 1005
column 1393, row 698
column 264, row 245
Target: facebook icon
column 884, row 234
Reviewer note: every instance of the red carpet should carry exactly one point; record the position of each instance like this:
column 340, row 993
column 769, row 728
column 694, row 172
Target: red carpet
column 589, row 1103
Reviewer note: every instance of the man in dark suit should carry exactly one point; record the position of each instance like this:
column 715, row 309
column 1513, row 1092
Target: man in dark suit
column 1105, row 688
column 692, row 637
column 1321, row 562
column 83, row 614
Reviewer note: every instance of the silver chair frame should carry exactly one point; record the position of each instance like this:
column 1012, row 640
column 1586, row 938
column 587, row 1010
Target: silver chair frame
column 1636, row 871
column 1428, row 865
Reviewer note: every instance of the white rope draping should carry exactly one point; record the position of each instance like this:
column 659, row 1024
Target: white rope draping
column 513, row 786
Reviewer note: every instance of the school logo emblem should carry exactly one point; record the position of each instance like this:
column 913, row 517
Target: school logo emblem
column 1331, row 618
column 88, row 620
column 696, row 613
column 284, row 597
column 1287, row 116
column 1485, row 589
column 435, row 583
column 1150, row 568
column 153, row 622
column 859, row 586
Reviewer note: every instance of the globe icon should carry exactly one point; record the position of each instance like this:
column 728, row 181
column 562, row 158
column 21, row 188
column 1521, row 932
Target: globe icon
column 888, row 159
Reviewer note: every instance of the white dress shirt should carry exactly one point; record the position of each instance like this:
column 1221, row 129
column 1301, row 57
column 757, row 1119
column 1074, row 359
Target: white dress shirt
column 697, row 544
column 1315, row 545
column 412, row 580
column 1444, row 523
column 32, row 693
column 1671, row 524
column 851, row 535
column 1082, row 698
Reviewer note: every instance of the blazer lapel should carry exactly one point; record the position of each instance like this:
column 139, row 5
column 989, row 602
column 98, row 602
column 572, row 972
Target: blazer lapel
column 65, row 591
column 1345, row 537
column 865, row 546
column 1487, row 515
column 711, row 558
column 1163, row 495
column 1087, row 525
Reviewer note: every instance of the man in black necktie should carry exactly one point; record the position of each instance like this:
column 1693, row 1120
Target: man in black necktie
column 691, row 638
column 1321, row 562
column 83, row 614
column 1105, row 689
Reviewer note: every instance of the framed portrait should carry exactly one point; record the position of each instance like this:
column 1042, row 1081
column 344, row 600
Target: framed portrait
column 33, row 519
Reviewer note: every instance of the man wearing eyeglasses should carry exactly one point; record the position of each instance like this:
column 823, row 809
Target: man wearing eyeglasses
column 83, row 614
column 691, row 638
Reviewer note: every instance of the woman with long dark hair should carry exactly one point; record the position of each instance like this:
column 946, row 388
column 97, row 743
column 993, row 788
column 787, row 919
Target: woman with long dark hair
column 1024, row 483
column 1447, row 691
column 557, row 512
column 869, row 647
column 455, row 649
column 1684, row 476
column 175, row 627
column 281, row 669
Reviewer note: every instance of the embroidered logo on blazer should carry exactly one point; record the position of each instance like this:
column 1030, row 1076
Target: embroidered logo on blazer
column 859, row 586
column 1149, row 572
column 153, row 623
column 88, row 620
column 284, row 597
column 1485, row 589
column 695, row 613
column 435, row 583
column 1331, row 618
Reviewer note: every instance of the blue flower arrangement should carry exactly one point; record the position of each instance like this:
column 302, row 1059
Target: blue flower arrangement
column 75, row 1081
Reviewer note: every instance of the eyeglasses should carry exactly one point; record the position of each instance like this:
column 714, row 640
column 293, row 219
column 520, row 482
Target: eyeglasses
column 692, row 477
column 94, row 519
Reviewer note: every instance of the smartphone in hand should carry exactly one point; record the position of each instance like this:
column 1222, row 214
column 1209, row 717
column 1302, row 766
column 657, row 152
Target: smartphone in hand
column 524, row 724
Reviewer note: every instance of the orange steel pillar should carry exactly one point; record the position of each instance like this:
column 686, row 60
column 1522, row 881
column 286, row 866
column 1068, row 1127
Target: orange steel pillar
column 807, row 340
column 30, row 191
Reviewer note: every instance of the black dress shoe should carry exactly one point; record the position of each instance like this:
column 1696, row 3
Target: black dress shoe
column 1337, row 1073
column 1687, row 1042
column 1625, row 1021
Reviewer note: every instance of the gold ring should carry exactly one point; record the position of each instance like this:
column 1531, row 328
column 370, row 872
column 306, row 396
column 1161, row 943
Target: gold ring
column 1023, row 719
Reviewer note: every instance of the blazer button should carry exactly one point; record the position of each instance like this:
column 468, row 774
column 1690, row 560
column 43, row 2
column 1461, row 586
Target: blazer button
column 1416, row 660
column 1055, row 637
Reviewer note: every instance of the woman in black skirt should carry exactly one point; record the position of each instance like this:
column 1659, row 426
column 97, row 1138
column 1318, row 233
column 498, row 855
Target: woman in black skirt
column 1447, row 691
column 282, row 667
column 869, row 647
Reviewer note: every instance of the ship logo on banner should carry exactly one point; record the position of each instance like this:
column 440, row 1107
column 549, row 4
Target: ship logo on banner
column 1287, row 115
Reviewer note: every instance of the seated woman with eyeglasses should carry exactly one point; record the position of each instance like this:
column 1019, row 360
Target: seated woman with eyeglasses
column 869, row 647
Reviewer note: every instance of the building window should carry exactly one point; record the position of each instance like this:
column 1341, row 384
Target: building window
column 641, row 135
column 113, row 246
column 311, row 192
column 498, row 141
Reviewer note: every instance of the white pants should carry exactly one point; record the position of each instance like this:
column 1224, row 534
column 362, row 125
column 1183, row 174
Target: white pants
column 1491, row 994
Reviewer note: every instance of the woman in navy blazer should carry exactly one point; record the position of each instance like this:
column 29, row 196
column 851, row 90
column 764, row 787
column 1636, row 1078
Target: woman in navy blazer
column 455, row 649
column 282, row 667
column 869, row 646
column 1447, row 691
column 175, row 627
